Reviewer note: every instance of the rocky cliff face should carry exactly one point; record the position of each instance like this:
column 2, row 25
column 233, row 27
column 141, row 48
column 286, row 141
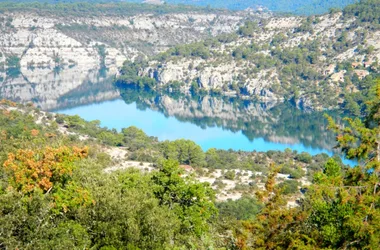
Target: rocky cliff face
column 213, row 75
column 57, row 54
column 259, row 62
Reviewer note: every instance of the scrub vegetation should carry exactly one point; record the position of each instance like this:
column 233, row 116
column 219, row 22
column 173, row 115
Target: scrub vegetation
column 55, row 192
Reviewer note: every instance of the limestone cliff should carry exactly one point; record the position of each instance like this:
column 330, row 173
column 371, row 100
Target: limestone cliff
column 277, row 58
column 56, row 54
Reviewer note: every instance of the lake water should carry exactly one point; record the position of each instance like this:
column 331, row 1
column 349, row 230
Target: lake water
column 213, row 123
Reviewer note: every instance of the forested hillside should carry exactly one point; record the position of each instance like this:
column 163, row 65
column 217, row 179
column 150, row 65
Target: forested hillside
column 296, row 6
column 84, row 8
column 318, row 62
column 61, row 187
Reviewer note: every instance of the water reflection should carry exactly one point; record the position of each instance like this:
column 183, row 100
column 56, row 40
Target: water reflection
column 211, row 121
column 280, row 123
column 55, row 88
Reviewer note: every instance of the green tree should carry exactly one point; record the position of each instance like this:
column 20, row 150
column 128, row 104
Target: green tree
column 289, row 187
column 276, row 226
column 126, row 215
column 212, row 158
column 184, row 151
column 245, row 208
column 344, row 204
column 191, row 201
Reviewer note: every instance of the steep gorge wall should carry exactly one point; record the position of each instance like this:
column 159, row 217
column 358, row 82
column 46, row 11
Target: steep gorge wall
column 279, row 42
column 57, row 54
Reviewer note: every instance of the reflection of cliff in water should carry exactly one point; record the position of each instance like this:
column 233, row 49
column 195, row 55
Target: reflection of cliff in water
column 275, row 122
column 52, row 89
column 88, row 93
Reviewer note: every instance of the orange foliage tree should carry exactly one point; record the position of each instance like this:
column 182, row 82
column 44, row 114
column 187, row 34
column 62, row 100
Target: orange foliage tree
column 48, row 170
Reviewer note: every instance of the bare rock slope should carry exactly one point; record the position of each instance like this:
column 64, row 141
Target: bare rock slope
column 55, row 54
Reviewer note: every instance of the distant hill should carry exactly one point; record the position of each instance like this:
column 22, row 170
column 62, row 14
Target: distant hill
column 302, row 7
column 293, row 6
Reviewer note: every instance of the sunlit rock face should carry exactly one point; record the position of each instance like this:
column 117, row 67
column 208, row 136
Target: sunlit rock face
column 58, row 54
column 248, row 62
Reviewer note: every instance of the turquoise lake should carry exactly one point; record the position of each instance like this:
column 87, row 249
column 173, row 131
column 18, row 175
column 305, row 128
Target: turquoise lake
column 118, row 114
